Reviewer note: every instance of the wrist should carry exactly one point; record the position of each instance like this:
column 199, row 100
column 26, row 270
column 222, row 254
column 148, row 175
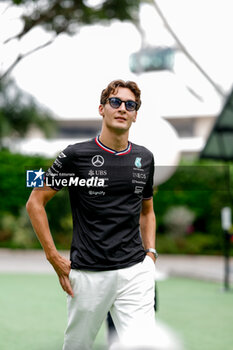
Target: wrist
column 52, row 256
column 152, row 251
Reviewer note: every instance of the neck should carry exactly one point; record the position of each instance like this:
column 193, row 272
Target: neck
column 117, row 142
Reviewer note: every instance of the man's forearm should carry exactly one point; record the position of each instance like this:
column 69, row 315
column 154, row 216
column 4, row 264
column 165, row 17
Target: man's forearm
column 147, row 227
column 148, row 231
column 36, row 211
column 40, row 224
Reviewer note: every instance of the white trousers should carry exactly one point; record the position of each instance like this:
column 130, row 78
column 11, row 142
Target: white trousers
column 129, row 296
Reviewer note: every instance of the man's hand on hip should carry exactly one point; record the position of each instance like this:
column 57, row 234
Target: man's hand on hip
column 62, row 266
column 152, row 256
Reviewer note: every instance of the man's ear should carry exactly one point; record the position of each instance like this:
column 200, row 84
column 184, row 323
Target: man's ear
column 101, row 110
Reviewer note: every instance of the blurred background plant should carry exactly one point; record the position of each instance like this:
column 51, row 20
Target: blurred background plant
column 177, row 220
column 188, row 207
column 17, row 230
column 64, row 17
column 20, row 113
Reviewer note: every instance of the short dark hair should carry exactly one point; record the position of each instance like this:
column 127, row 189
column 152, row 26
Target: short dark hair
column 113, row 87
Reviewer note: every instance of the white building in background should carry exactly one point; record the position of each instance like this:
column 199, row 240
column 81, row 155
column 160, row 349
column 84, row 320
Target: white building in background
column 193, row 131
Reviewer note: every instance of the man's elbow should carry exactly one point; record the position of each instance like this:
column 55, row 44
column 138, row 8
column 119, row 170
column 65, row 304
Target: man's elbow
column 32, row 205
column 29, row 205
column 147, row 213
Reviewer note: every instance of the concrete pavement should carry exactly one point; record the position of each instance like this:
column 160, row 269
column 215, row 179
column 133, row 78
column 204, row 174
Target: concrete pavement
column 210, row 268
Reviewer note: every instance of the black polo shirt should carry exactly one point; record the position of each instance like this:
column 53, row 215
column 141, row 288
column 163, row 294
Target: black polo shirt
column 106, row 190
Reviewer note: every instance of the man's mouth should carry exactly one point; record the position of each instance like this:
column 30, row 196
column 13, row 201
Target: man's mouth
column 121, row 118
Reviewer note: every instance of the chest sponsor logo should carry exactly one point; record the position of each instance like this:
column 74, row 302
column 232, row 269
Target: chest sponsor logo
column 138, row 162
column 138, row 189
column 97, row 160
column 58, row 163
column 96, row 193
column 97, row 172
column 139, row 175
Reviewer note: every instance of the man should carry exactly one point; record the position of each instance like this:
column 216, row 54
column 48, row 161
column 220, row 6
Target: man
column 111, row 264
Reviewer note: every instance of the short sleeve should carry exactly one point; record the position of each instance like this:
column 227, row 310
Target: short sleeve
column 148, row 189
column 59, row 170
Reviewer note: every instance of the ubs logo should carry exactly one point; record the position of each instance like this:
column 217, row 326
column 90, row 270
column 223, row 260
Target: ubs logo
column 97, row 160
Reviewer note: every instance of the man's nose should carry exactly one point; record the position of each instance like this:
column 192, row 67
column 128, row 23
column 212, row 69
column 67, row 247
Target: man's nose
column 122, row 107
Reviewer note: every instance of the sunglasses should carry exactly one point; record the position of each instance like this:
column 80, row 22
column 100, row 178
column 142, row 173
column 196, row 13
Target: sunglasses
column 115, row 103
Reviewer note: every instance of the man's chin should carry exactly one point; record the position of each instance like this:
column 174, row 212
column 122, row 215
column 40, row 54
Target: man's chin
column 120, row 129
column 121, row 126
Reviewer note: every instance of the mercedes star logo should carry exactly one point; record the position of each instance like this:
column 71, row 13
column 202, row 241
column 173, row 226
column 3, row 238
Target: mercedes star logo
column 97, row 160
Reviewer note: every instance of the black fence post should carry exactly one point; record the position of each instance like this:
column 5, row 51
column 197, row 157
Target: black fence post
column 227, row 237
column 226, row 225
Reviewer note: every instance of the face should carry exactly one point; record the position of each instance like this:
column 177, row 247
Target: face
column 118, row 119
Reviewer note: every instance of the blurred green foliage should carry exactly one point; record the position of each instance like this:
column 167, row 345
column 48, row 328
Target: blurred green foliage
column 15, row 228
column 200, row 234
column 19, row 112
column 67, row 16
column 178, row 220
column 205, row 187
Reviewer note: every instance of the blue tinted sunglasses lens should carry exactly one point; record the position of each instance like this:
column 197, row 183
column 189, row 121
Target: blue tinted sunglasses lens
column 130, row 105
column 115, row 102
